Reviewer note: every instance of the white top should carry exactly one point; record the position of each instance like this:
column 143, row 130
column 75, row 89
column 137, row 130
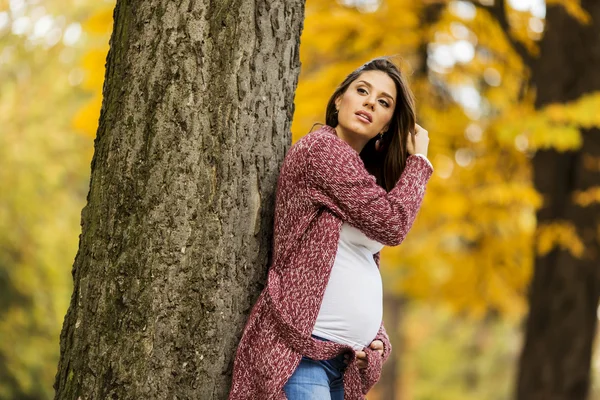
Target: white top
column 352, row 307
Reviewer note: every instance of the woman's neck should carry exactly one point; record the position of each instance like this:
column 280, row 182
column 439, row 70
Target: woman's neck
column 355, row 141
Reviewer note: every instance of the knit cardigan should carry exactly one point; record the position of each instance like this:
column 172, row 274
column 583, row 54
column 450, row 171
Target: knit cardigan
column 322, row 183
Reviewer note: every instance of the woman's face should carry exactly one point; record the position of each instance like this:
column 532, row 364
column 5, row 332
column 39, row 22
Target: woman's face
column 367, row 106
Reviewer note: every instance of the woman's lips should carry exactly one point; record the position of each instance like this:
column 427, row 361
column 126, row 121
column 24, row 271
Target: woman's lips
column 363, row 118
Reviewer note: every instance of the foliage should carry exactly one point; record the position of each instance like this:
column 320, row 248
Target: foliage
column 458, row 358
column 43, row 181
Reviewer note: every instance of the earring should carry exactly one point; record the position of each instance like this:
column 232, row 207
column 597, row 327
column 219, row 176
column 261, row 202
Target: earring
column 378, row 144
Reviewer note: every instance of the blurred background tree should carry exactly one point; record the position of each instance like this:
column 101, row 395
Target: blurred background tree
column 508, row 92
column 565, row 288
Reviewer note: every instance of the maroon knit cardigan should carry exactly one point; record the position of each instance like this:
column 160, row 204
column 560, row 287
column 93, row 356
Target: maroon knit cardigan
column 322, row 183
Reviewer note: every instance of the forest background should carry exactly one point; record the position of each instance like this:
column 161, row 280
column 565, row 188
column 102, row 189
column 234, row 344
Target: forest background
column 456, row 289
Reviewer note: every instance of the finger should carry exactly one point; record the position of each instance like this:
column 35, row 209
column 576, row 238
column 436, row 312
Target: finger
column 361, row 364
column 361, row 355
column 376, row 344
column 378, row 347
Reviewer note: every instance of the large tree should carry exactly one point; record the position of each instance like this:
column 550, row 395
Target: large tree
column 565, row 289
column 176, row 234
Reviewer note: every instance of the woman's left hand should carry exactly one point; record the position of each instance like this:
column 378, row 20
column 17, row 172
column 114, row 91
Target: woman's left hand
column 361, row 357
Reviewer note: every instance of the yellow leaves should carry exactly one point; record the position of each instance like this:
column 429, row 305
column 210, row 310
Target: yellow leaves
column 93, row 63
column 584, row 198
column 554, row 126
column 454, row 205
column 86, row 118
column 520, row 30
column 482, row 281
column 560, row 234
column 476, row 260
column 494, row 60
column 583, row 112
column 447, row 124
column 491, row 34
column 503, row 274
column 504, row 195
column 471, row 247
column 101, row 22
column 561, row 138
column 573, row 8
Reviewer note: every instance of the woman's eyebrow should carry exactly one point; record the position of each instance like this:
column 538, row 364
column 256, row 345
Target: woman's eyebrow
column 383, row 93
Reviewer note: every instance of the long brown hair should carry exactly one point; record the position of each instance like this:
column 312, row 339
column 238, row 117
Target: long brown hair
column 388, row 163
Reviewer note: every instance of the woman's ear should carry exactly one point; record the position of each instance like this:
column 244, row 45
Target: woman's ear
column 338, row 100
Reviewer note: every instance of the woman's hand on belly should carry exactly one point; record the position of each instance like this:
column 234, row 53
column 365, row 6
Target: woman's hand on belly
column 361, row 361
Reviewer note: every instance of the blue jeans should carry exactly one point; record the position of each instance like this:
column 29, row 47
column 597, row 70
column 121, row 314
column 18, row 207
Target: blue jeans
column 317, row 379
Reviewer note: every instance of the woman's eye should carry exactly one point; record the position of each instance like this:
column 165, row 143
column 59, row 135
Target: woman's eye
column 361, row 90
column 385, row 103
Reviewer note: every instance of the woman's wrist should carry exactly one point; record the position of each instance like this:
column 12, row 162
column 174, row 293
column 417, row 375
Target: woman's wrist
column 424, row 157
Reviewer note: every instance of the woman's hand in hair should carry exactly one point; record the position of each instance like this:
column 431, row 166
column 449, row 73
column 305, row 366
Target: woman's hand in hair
column 418, row 141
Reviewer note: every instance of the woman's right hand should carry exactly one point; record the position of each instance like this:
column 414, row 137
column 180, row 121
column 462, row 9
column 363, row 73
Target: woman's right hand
column 418, row 142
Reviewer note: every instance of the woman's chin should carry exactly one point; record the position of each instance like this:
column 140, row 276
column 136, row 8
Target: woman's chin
column 360, row 129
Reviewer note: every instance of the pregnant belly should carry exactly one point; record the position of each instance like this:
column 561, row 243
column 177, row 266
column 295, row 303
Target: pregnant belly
column 352, row 307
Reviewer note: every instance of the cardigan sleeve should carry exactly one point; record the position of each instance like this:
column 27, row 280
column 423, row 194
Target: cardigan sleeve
column 424, row 158
column 338, row 180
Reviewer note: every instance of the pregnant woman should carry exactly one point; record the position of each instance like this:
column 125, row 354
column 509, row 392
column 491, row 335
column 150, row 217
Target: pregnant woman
column 344, row 192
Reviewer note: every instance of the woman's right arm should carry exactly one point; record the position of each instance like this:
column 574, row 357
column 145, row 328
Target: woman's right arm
column 338, row 180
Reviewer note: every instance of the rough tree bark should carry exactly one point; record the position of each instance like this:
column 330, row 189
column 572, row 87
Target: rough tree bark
column 176, row 234
column 564, row 293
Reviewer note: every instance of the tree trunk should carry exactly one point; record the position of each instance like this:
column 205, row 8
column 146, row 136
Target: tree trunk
column 176, row 234
column 564, row 293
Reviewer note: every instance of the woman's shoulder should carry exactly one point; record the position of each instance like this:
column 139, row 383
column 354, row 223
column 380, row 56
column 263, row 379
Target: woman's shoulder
column 323, row 133
column 324, row 142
